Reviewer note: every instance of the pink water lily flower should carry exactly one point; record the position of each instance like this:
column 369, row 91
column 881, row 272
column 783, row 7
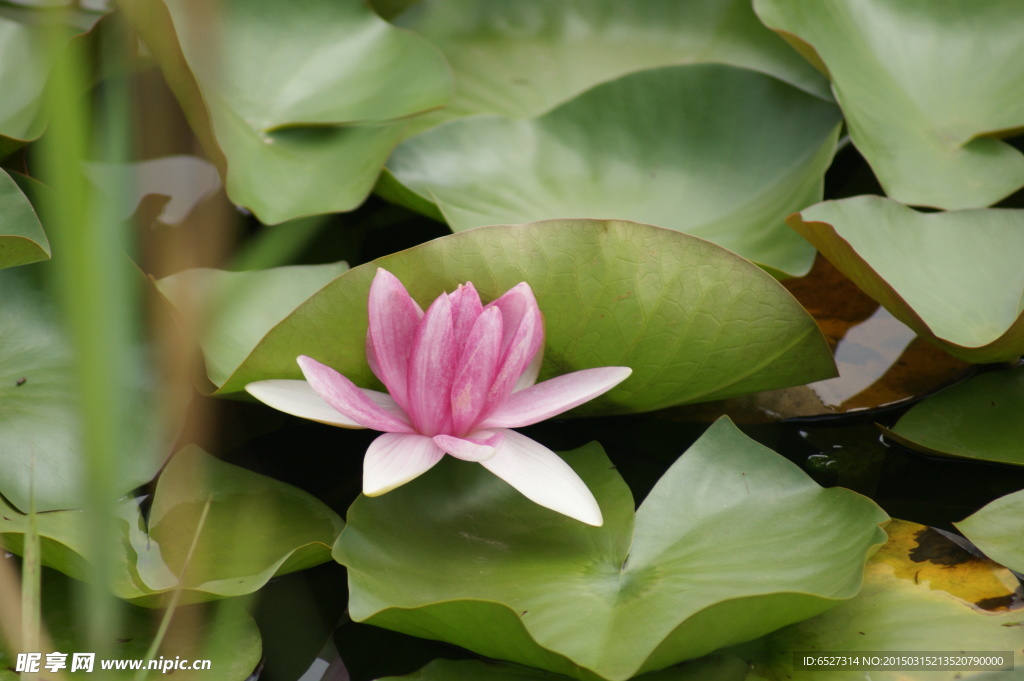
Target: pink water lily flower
column 458, row 378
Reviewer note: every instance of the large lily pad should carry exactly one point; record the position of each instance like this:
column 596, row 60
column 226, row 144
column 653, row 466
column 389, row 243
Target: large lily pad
column 40, row 430
column 733, row 542
column 977, row 419
column 520, row 59
column 226, row 635
column 303, row 106
column 694, row 321
column 719, row 152
column 899, row 610
column 955, row 278
column 256, row 527
column 240, row 308
column 22, row 240
column 927, row 86
column 998, row 530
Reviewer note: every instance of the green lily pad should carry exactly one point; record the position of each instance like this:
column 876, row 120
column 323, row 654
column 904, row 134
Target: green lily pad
column 40, row 431
column 998, row 530
column 926, row 86
column 694, row 321
column 29, row 40
column 954, row 278
column 733, row 542
column 22, row 240
column 976, row 419
column 256, row 527
column 226, row 635
column 898, row 611
column 240, row 308
column 520, row 59
column 719, row 152
column 303, row 106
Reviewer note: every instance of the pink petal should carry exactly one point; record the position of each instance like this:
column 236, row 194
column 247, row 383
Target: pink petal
column 476, row 370
column 365, row 407
column 514, row 304
column 543, row 478
column 477, row 446
column 432, row 369
column 552, row 397
column 523, row 346
column 394, row 459
column 299, row 399
column 466, row 308
column 394, row 318
column 529, row 375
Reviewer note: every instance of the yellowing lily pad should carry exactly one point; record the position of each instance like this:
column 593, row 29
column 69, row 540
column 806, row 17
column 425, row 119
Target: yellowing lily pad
column 520, row 59
column 927, row 88
column 249, row 528
column 954, row 278
column 733, row 542
column 694, row 321
column 302, row 107
column 998, row 530
column 719, row 152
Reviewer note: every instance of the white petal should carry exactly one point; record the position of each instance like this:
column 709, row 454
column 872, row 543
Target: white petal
column 394, row 459
column 474, row 447
column 543, row 478
column 298, row 399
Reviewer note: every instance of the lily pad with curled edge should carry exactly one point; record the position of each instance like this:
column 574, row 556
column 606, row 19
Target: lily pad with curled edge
column 301, row 106
column 32, row 42
column 520, row 59
column 998, row 530
column 22, row 240
column 955, row 278
column 694, row 321
column 732, row 543
column 254, row 528
column 716, row 151
column 977, row 419
column 239, row 308
column 927, row 88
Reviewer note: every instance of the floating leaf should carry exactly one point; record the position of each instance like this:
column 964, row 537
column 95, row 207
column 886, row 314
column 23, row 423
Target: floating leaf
column 977, row 419
column 256, row 527
column 694, row 321
column 302, row 106
column 242, row 307
column 715, row 151
column 31, row 44
column 964, row 286
column 22, row 240
column 39, row 417
column 226, row 636
column 733, row 542
column 520, row 59
column 998, row 530
column 926, row 87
